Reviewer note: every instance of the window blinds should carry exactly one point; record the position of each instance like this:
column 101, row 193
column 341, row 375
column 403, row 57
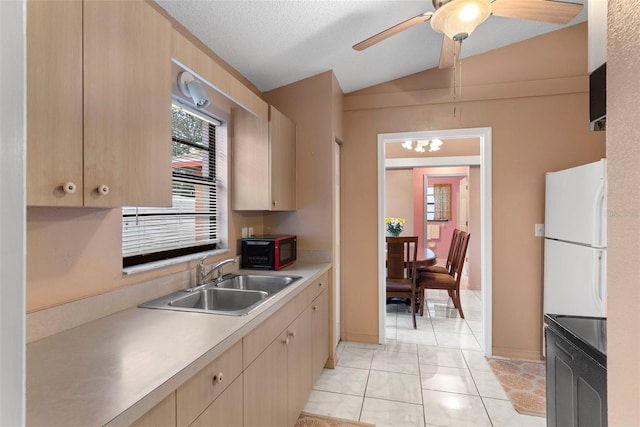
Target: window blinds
column 190, row 225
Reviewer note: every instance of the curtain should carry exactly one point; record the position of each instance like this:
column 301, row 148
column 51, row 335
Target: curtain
column 442, row 195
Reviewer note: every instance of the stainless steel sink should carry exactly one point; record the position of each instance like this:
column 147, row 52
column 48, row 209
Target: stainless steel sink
column 215, row 299
column 236, row 294
column 256, row 282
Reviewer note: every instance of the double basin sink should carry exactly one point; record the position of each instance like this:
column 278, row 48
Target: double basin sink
column 236, row 295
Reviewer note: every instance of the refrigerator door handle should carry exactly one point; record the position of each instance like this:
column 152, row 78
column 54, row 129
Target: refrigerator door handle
column 598, row 290
column 599, row 210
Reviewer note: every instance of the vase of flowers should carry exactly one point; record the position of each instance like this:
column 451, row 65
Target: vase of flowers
column 394, row 225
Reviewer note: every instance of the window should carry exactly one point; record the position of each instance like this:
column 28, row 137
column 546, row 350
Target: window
column 438, row 202
column 191, row 225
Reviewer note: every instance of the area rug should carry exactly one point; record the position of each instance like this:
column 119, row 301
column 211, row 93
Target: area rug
column 524, row 383
column 313, row 420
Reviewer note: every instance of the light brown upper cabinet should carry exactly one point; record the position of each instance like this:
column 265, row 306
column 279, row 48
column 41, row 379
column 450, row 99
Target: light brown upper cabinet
column 98, row 104
column 264, row 161
column 282, row 137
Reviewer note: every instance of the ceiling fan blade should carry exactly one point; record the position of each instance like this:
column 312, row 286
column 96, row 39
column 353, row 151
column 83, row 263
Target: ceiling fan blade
column 424, row 17
column 556, row 12
column 449, row 49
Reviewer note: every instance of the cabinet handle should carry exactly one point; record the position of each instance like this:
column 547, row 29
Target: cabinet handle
column 103, row 190
column 285, row 341
column 321, row 284
column 315, row 307
column 217, row 379
column 292, row 334
column 69, row 187
column 275, row 203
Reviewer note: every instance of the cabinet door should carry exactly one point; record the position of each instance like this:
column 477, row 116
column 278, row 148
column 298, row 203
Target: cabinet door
column 161, row 415
column 282, row 140
column 320, row 322
column 250, row 160
column 226, row 410
column 265, row 386
column 127, row 105
column 299, row 366
column 54, row 102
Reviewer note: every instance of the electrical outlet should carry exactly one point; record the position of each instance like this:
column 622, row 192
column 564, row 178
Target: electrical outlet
column 539, row 230
column 250, row 231
column 244, row 232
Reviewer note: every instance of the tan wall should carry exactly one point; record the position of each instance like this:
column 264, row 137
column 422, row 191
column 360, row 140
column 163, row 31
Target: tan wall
column 74, row 253
column 399, row 198
column 475, row 218
column 309, row 104
column 623, row 263
column 534, row 97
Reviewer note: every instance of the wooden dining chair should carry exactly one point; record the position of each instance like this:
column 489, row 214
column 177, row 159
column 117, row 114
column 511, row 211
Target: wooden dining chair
column 401, row 271
column 448, row 268
column 448, row 282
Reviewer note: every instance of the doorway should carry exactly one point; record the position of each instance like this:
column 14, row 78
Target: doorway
column 484, row 160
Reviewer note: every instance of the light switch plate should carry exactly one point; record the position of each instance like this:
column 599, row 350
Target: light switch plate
column 250, row 231
column 539, row 230
column 244, row 232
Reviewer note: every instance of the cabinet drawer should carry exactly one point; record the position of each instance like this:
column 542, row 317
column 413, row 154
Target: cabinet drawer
column 319, row 285
column 195, row 395
column 226, row 410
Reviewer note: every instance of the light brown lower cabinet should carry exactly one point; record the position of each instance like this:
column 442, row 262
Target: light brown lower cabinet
column 194, row 396
column 265, row 386
column 299, row 373
column 161, row 415
column 321, row 329
column 278, row 382
column 280, row 369
column 226, row 410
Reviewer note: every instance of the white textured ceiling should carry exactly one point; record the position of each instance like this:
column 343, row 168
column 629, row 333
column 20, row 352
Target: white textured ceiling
column 276, row 42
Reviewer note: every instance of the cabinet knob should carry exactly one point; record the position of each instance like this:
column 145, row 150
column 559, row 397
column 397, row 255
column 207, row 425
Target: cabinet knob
column 274, row 203
column 292, row 334
column 285, row 341
column 103, row 190
column 69, row 187
column 315, row 307
column 321, row 284
column 217, row 379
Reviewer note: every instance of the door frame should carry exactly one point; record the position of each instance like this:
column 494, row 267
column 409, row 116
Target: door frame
column 484, row 135
column 13, row 134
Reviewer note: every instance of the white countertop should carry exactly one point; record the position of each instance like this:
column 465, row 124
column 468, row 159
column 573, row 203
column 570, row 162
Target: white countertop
column 113, row 370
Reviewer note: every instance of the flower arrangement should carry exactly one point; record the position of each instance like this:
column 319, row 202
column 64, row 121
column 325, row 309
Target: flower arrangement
column 394, row 225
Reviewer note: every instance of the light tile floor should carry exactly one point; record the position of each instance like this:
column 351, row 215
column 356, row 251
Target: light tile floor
column 433, row 376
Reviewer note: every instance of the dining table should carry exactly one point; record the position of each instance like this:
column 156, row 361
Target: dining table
column 428, row 259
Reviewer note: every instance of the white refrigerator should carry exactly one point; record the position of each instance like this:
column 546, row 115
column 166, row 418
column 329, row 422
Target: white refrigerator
column 575, row 246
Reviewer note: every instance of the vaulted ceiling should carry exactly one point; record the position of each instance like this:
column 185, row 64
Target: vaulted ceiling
column 277, row 42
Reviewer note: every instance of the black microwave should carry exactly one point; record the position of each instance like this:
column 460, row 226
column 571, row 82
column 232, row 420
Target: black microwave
column 269, row 252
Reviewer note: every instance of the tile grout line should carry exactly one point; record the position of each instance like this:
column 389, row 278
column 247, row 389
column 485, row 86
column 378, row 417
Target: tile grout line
column 364, row 394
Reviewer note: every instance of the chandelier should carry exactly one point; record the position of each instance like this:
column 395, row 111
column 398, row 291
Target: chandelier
column 420, row 145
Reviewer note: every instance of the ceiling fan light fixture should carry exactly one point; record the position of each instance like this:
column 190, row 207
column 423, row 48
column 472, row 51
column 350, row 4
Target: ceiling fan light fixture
column 458, row 18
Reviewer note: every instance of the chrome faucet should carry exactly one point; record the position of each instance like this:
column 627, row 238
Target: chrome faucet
column 202, row 276
column 218, row 268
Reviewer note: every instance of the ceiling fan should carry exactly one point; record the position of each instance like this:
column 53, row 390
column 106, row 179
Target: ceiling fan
column 456, row 20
